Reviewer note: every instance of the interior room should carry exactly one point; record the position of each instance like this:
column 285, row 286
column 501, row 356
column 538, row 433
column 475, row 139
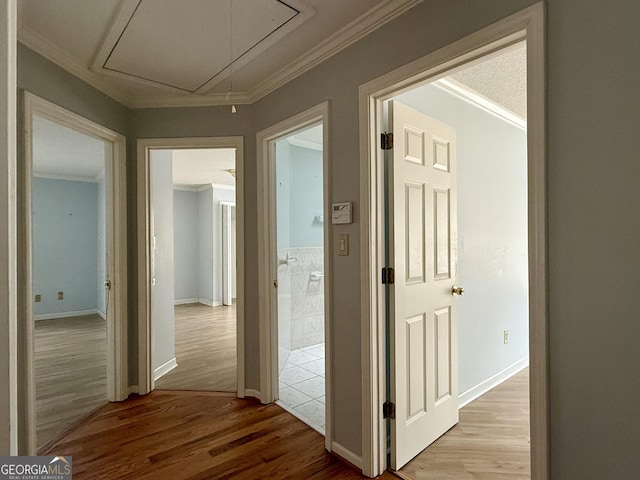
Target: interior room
column 160, row 71
column 69, row 271
column 194, row 335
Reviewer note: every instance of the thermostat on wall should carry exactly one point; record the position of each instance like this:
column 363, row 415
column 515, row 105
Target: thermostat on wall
column 341, row 212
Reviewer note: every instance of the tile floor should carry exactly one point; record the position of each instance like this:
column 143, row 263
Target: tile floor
column 302, row 385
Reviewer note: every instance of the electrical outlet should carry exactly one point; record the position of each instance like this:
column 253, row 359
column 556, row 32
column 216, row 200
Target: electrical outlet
column 506, row 336
column 60, row 295
column 38, row 298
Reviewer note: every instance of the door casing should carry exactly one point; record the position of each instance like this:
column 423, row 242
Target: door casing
column 117, row 371
column 267, row 260
column 144, row 147
column 529, row 25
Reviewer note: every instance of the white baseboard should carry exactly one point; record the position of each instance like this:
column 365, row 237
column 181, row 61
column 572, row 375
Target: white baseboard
column 347, row 455
column 134, row 389
column 470, row 395
column 101, row 314
column 164, row 368
column 184, row 301
column 250, row 392
column 209, row 302
column 76, row 313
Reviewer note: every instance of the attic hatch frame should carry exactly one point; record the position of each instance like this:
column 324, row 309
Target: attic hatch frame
column 529, row 25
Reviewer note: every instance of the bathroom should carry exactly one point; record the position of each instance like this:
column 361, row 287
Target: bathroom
column 300, row 251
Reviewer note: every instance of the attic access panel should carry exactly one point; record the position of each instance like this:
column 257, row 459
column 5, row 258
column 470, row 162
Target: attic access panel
column 186, row 46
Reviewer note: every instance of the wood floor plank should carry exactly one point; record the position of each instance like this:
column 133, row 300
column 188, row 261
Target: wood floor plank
column 491, row 441
column 197, row 435
column 205, row 340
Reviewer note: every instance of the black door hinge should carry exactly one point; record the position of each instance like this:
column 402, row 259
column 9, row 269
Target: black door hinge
column 388, row 410
column 386, row 141
column 388, row 276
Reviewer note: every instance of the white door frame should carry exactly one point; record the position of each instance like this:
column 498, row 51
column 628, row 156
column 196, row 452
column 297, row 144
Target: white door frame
column 527, row 24
column 267, row 259
column 115, row 169
column 144, row 147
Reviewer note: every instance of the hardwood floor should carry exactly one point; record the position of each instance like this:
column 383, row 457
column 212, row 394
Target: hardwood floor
column 491, row 441
column 70, row 372
column 198, row 435
column 205, row 349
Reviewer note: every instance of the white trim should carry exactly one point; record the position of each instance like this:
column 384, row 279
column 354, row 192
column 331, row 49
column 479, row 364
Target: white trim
column 186, row 301
column 117, row 370
column 369, row 21
column 165, row 368
column 203, row 188
column 267, row 260
column 346, row 454
column 209, row 303
column 10, row 330
column 304, row 143
column 527, row 24
column 133, row 389
column 65, row 61
column 69, row 178
column 73, row 313
column 251, row 392
column 144, row 146
column 478, row 100
column 492, row 382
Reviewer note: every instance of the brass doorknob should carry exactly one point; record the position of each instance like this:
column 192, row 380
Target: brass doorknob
column 457, row 290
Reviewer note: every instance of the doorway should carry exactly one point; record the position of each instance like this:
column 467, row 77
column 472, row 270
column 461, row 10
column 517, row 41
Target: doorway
column 525, row 25
column 73, row 278
column 193, row 314
column 191, row 264
column 294, row 268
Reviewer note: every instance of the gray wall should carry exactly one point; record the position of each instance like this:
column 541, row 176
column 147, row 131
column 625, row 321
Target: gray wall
column 65, row 245
column 185, row 244
column 593, row 70
column 492, row 234
column 206, row 256
column 163, row 330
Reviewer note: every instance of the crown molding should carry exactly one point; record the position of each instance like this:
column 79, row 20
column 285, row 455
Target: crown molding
column 469, row 95
column 43, row 47
column 343, row 38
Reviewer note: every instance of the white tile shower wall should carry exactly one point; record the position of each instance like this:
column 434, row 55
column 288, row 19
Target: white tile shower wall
column 300, row 299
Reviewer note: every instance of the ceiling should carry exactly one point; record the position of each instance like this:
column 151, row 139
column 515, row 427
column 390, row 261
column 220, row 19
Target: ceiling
column 149, row 53
column 197, row 167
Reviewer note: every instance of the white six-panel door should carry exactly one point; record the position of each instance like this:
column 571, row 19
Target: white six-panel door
column 424, row 364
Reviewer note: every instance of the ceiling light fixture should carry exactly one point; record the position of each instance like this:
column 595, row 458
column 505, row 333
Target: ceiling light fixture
column 233, row 107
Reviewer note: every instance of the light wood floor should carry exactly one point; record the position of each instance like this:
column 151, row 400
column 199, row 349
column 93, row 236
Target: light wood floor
column 491, row 442
column 205, row 349
column 70, row 372
column 198, row 435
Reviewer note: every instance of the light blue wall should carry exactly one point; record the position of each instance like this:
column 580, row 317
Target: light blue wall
column 205, row 245
column 163, row 331
column 299, row 195
column 185, row 245
column 102, row 247
column 65, row 246
column 492, row 234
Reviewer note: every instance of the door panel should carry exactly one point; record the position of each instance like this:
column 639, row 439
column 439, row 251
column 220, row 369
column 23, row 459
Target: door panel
column 424, row 384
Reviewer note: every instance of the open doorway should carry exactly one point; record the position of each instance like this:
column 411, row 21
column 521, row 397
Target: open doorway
column 193, row 316
column 191, row 264
column 299, row 221
column 294, row 267
column 434, row 149
column 72, row 279
column 483, row 105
